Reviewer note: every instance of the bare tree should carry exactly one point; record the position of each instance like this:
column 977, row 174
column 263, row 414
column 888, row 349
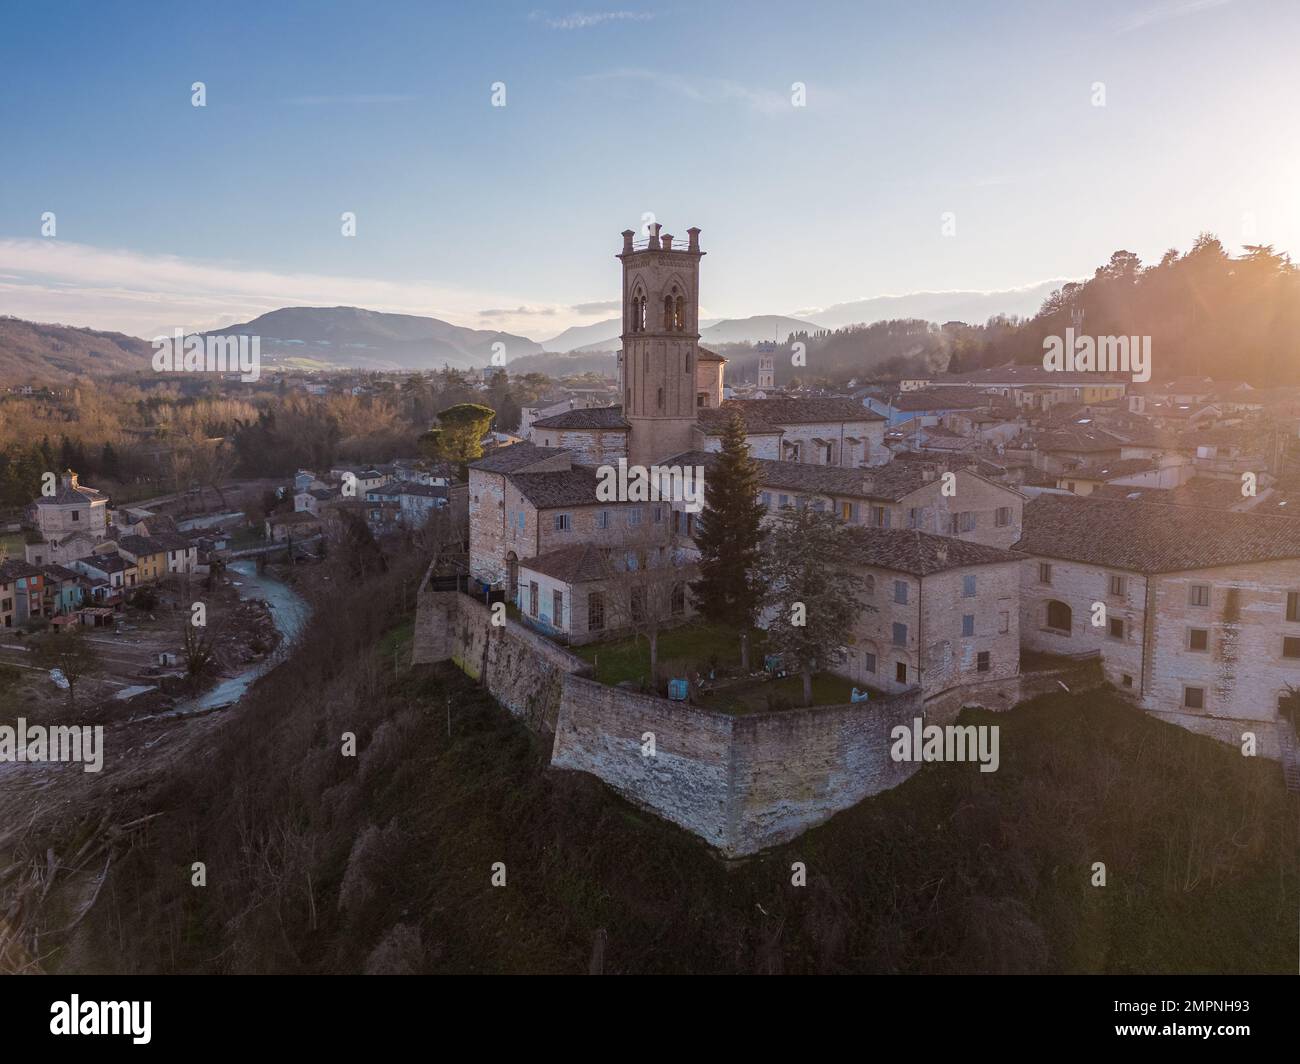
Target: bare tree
column 72, row 655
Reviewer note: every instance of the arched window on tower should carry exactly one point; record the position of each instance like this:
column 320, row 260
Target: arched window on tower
column 668, row 313
column 661, row 398
column 642, row 325
column 680, row 314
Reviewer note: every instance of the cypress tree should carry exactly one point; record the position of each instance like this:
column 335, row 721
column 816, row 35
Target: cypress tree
column 728, row 532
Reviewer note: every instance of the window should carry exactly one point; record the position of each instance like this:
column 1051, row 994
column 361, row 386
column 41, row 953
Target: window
column 76, row 515
column 765, row 498
column 661, row 398
column 846, row 511
column 968, row 624
column 1044, row 572
column 602, row 518
column 679, row 599
column 658, row 513
column 1291, row 647
column 1198, row 595
column 634, row 516
column 521, row 520
column 968, row 587
column 1004, row 622
column 1118, row 585
column 1117, row 628
column 914, row 517
column 982, row 661
column 819, row 505
column 1069, row 485
column 963, row 522
column 1003, row 516
column 532, row 598
column 1126, row 680
column 1059, row 616
column 557, row 608
column 900, row 635
column 563, row 522
column 900, row 671
column 880, row 516
column 1293, row 605
column 871, row 584
column 1198, row 639
column 900, row 592
column 869, row 663
column 783, row 501
column 596, row 611
column 1194, row 697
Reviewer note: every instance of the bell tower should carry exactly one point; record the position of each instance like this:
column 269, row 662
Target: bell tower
column 661, row 335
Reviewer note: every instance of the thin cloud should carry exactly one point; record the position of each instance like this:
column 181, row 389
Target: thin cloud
column 521, row 311
column 603, row 307
column 582, row 20
column 1153, row 16
column 709, row 90
column 147, row 295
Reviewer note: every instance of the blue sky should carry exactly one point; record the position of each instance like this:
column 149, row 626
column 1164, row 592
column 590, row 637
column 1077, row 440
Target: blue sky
column 170, row 215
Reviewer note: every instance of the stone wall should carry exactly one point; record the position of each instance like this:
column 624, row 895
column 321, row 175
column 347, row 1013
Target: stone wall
column 742, row 783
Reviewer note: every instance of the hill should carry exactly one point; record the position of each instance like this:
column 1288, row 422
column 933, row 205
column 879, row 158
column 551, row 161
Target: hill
column 353, row 338
column 604, row 336
column 32, row 352
column 382, row 863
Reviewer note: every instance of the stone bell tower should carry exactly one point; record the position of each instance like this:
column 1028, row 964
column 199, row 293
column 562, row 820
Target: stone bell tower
column 661, row 335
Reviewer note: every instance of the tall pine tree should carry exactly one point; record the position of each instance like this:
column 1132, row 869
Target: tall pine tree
column 727, row 534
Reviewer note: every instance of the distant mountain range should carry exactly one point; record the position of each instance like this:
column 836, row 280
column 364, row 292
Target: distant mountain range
column 352, row 338
column 974, row 308
column 604, row 335
column 325, row 338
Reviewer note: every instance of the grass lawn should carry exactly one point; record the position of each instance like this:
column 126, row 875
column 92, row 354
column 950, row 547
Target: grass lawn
column 12, row 545
column 691, row 645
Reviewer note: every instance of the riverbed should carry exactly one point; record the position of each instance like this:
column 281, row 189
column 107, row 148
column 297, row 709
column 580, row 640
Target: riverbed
column 289, row 610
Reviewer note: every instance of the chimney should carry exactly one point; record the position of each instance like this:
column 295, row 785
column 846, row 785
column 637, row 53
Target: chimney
column 628, row 234
column 668, row 242
column 694, row 234
column 654, row 236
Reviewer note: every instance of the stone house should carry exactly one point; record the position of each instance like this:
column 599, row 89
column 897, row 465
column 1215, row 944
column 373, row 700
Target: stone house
column 22, row 593
column 937, row 613
column 820, row 431
column 594, row 435
column 1196, row 612
column 69, row 522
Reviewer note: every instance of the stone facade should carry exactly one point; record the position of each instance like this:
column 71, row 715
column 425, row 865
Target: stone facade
column 659, row 357
column 935, row 613
column 588, row 446
column 1157, row 642
column 835, row 443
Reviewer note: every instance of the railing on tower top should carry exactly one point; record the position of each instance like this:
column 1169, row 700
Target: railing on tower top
column 643, row 244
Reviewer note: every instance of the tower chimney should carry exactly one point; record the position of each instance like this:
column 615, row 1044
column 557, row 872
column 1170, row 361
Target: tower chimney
column 627, row 241
column 654, row 236
column 693, row 234
column 668, row 242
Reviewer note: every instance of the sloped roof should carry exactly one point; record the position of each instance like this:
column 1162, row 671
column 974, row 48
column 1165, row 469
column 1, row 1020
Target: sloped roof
column 1152, row 538
column 567, row 487
column 792, row 411
column 591, row 417
column 713, row 420
column 516, row 456
column 578, row 564
column 922, row 553
column 710, row 356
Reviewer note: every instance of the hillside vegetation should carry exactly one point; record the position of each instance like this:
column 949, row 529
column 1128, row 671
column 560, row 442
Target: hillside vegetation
column 31, row 352
column 382, row 863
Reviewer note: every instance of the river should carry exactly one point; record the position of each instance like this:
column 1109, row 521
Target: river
column 289, row 610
